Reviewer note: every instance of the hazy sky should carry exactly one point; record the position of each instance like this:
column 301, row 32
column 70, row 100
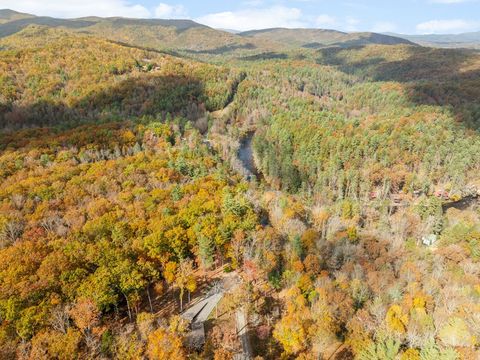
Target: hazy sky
column 408, row 16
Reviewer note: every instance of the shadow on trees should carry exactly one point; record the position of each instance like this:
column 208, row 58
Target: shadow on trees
column 265, row 56
column 314, row 45
column 441, row 77
column 13, row 27
column 223, row 49
column 359, row 42
column 136, row 47
column 146, row 95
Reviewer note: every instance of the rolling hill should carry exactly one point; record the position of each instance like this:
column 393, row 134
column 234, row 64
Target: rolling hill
column 318, row 38
column 48, row 86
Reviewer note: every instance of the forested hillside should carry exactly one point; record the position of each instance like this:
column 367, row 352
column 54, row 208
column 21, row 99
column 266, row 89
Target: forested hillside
column 97, row 216
column 99, row 80
column 328, row 196
column 153, row 33
column 393, row 119
column 313, row 38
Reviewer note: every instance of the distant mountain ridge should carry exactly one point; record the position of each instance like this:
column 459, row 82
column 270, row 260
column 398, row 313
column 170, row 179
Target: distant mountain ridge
column 317, row 38
column 465, row 40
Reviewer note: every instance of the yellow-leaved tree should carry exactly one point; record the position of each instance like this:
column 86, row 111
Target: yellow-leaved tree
column 163, row 344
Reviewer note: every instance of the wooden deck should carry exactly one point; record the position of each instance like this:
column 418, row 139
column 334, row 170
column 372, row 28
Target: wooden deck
column 197, row 315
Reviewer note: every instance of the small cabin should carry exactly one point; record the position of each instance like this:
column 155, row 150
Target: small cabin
column 429, row 240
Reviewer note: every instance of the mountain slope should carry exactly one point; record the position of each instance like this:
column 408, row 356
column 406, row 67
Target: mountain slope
column 317, row 38
column 7, row 15
column 42, row 84
column 154, row 33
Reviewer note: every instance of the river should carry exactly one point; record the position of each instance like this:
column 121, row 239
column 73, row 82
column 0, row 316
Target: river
column 245, row 154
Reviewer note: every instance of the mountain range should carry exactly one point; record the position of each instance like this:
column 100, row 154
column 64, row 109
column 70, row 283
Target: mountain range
column 189, row 36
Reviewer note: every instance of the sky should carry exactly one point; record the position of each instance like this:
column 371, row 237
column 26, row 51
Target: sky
column 407, row 16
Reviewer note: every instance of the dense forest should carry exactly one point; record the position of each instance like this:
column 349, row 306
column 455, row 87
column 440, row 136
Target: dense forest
column 352, row 232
